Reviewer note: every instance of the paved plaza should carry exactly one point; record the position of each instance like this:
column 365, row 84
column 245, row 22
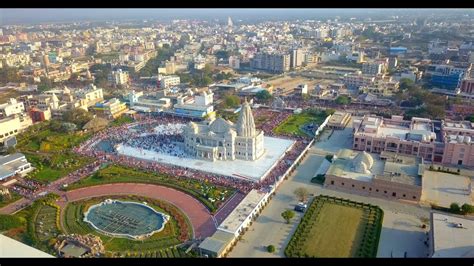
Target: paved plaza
column 402, row 235
column 443, row 189
column 275, row 148
column 271, row 229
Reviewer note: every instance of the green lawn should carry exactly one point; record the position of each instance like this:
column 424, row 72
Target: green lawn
column 333, row 227
column 121, row 120
column 119, row 174
column 169, row 237
column 291, row 126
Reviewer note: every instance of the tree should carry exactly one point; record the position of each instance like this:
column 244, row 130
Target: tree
column 343, row 100
column 222, row 54
column 231, row 101
column 302, row 193
column 45, row 84
column 454, row 207
column 9, row 74
column 263, row 96
column 467, row 208
column 406, row 84
column 271, row 248
column 288, row 215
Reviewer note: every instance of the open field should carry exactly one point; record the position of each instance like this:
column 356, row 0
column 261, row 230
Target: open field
column 175, row 231
column 334, row 227
column 288, row 83
column 291, row 126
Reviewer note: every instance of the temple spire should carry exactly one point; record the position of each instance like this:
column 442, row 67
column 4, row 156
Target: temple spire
column 246, row 123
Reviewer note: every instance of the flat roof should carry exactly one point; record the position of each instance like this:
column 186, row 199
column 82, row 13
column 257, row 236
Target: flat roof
column 11, row 248
column 443, row 189
column 449, row 240
column 235, row 219
column 217, row 242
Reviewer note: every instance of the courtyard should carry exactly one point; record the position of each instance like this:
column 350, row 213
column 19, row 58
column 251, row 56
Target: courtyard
column 275, row 148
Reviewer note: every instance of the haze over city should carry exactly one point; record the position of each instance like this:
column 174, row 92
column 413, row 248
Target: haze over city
column 230, row 133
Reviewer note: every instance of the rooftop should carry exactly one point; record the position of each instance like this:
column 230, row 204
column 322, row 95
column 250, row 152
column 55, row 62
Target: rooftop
column 449, row 239
column 217, row 242
column 11, row 248
column 233, row 222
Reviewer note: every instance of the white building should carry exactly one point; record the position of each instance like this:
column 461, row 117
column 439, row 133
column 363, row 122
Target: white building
column 12, row 107
column 166, row 82
column 222, row 140
column 14, row 164
column 119, row 78
column 13, row 125
column 234, row 62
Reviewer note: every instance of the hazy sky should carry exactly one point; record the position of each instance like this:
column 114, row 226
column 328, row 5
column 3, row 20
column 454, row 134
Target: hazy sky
column 12, row 16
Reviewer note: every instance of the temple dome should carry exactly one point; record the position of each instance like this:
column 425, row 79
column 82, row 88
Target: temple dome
column 219, row 126
column 363, row 163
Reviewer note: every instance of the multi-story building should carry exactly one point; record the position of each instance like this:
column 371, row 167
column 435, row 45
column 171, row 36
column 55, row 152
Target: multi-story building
column 297, row 57
column 110, row 109
column 458, row 143
column 372, row 68
column 12, row 125
column 11, row 107
column 448, row 76
column 354, row 81
column 446, row 142
column 119, row 78
column 166, row 82
column 416, row 137
column 234, row 62
column 467, row 86
column 276, row 63
column 91, row 95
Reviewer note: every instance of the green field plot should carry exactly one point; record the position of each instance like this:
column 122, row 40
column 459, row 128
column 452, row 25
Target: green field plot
column 333, row 227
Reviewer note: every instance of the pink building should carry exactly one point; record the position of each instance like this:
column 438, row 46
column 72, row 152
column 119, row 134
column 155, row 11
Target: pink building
column 419, row 137
column 458, row 142
column 447, row 142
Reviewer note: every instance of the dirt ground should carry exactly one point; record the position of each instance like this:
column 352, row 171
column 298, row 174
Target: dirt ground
column 288, row 83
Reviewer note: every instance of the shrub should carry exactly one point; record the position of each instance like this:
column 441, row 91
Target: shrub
column 454, row 207
column 271, row 248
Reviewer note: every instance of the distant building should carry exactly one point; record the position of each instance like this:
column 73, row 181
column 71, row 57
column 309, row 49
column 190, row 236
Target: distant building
column 110, row 109
column 119, row 78
column 372, row 68
column 276, row 63
column 297, row 57
column 12, row 107
column 467, row 86
column 234, row 62
column 166, row 82
column 199, row 106
column 39, row 115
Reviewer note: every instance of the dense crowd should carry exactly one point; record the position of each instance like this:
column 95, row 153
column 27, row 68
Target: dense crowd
column 164, row 134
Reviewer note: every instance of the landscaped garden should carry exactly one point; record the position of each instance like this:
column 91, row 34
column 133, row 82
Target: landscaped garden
column 49, row 151
column 161, row 244
column 36, row 225
column 335, row 227
column 293, row 124
column 210, row 195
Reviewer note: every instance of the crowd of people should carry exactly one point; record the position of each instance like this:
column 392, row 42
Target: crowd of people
column 164, row 134
column 272, row 119
column 27, row 187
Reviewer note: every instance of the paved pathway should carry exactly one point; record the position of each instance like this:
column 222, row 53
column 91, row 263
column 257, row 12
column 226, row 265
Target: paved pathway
column 270, row 228
column 197, row 213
